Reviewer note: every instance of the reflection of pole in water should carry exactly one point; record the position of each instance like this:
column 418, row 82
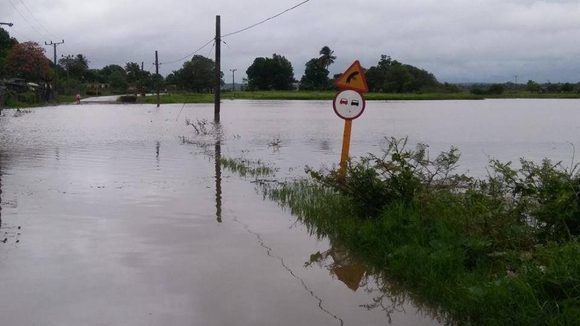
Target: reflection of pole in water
column 157, row 146
column 218, row 181
column 0, row 190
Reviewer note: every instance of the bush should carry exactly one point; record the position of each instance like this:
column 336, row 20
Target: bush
column 400, row 175
column 128, row 99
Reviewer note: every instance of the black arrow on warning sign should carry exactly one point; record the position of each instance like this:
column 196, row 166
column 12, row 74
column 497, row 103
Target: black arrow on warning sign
column 352, row 76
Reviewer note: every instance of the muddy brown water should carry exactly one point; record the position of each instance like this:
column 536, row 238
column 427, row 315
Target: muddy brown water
column 109, row 218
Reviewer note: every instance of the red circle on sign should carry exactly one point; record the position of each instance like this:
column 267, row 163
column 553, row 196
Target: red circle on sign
column 349, row 101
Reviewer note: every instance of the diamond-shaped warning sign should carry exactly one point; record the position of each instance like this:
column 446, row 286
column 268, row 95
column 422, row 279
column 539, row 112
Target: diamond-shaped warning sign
column 353, row 78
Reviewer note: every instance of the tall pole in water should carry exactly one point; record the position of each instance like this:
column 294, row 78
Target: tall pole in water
column 156, row 76
column 218, row 77
column 233, row 79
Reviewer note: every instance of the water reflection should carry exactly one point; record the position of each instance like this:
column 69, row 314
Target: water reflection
column 218, row 180
column 386, row 294
column 0, row 190
column 341, row 264
column 157, row 147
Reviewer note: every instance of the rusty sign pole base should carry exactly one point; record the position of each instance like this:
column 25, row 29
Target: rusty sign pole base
column 345, row 148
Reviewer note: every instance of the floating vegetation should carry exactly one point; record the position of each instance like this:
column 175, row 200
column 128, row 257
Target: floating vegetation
column 246, row 167
column 276, row 142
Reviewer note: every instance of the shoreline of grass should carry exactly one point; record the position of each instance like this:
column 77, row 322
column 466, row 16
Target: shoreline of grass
column 329, row 95
column 60, row 100
column 301, row 96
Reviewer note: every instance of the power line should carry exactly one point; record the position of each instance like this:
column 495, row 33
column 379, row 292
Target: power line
column 265, row 20
column 237, row 32
column 42, row 35
column 34, row 17
column 188, row 55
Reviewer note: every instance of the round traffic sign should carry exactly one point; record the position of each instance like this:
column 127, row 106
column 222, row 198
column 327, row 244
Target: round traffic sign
column 349, row 104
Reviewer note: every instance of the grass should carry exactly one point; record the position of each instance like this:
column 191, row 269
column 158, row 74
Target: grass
column 496, row 251
column 61, row 99
column 302, row 95
column 329, row 95
column 246, row 167
column 530, row 95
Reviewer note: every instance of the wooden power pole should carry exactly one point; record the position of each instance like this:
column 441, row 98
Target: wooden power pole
column 156, row 76
column 218, row 77
column 54, row 45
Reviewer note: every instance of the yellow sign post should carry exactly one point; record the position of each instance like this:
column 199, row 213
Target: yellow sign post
column 349, row 104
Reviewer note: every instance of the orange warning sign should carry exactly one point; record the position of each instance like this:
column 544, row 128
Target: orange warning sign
column 353, row 78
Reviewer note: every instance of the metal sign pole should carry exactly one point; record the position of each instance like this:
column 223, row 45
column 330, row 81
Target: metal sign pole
column 345, row 149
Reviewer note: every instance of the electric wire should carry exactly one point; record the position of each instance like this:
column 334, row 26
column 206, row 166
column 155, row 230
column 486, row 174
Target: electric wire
column 265, row 20
column 237, row 32
column 35, row 29
column 38, row 22
column 190, row 54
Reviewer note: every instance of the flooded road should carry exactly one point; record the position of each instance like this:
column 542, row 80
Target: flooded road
column 109, row 218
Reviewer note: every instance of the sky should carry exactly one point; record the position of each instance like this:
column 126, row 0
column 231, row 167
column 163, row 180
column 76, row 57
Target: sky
column 457, row 40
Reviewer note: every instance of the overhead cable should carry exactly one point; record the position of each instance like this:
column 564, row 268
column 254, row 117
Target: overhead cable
column 190, row 54
column 265, row 20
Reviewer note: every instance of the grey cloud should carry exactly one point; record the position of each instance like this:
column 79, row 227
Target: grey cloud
column 458, row 40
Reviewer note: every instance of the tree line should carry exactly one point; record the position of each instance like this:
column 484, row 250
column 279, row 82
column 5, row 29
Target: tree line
column 72, row 75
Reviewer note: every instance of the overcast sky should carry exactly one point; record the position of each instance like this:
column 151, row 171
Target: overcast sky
column 457, row 40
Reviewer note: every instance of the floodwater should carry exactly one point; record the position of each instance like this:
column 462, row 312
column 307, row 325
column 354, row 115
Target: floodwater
column 109, row 218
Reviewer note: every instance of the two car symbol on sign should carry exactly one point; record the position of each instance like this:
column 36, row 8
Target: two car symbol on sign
column 344, row 101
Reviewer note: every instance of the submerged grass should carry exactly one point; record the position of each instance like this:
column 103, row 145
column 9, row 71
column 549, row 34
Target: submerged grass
column 246, row 167
column 503, row 250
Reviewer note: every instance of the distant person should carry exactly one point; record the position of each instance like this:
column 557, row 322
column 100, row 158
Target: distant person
column 78, row 98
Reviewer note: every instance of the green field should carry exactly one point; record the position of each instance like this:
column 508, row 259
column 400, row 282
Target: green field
column 18, row 104
column 329, row 95
column 304, row 95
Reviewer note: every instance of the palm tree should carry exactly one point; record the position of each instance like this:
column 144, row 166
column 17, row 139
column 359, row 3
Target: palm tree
column 326, row 57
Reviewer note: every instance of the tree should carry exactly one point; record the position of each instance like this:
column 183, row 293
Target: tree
column 274, row 73
column 6, row 43
column 315, row 76
column 326, row 57
column 140, row 79
column 118, row 81
column 110, row 69
column 532, row 86
column 198, row 75
column 76, row 67
column 26, row 60
column 393, row 76
column 133, row 71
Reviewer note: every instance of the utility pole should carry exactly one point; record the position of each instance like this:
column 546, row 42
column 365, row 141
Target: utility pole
column 2, row 101
column 233, row 79
column 218, row 77
column 54, row 45
column 156, row 76
column 142, row 65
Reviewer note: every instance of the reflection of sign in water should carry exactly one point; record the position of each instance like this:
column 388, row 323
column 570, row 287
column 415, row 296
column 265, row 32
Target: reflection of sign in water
column 346, row 268
column 349, row 104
